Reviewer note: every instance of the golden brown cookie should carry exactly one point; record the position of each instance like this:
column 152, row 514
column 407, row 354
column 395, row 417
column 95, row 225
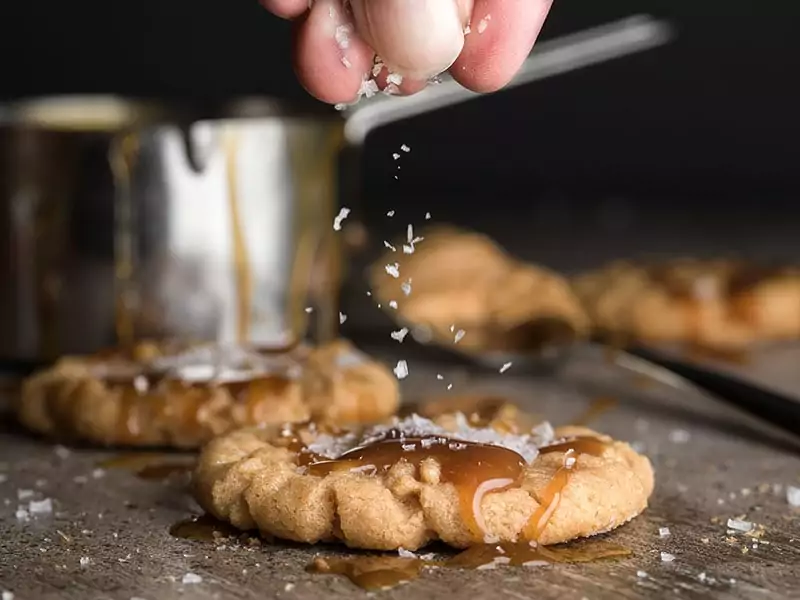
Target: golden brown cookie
column 183, row 396
column 450, row 280
column 721, row 304
column 413, row 481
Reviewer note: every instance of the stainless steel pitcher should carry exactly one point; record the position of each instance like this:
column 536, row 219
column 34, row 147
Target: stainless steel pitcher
column 221, row 228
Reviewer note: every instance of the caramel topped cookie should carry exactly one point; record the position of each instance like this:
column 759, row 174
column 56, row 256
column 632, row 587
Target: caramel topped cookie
column 721, row 304
column 413, row 481
column 182, row 396
column 449, row 280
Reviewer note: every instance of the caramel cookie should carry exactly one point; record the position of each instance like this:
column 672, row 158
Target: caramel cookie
column 450, row 280
column 415, row 481
column 183, row 396
column 720, row 304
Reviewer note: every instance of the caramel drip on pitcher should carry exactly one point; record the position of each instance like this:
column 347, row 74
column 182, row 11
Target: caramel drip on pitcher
column 241, row 258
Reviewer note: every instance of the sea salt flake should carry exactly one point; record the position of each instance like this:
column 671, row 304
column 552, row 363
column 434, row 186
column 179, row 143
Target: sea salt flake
column 6, row 595
column 405, row 553
column 667, row 557
column 394, row 79
column 664, row 532
column 392, row 304
column 22, row 515
column 393, row 270
column 24, row 494
column 739, row 525
column 342, row 35
column 342, row 318
column 405, row 148
column 484, row 23
column 390, row 213
column 346, row 62
column 98, row 473
column 85, row 561
column 641, row 574
column 427, row 216
column 505, row 367
column 459, row 336
column 793, row 496
column 400, row 334
column 389, row 246
column 337, row 220
column 449, row 386
column 401, row 370
column 288, row 587
column 406, row 287
column 40, row 507
column 191, row 578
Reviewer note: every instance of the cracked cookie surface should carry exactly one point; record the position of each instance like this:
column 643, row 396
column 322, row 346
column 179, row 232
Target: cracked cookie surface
column 183, row 396
column 414, row 481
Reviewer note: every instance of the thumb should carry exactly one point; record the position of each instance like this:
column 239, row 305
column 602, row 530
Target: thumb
column 415, row 38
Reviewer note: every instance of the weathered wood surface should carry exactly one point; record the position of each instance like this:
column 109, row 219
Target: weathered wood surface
column 711, row 465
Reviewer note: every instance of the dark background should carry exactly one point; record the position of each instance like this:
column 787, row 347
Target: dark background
column 687, row 148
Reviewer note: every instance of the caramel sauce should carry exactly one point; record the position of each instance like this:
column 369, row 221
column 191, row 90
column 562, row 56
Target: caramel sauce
column 474, row 469
column 149, row 465
column 203, row 529
column 380, row 572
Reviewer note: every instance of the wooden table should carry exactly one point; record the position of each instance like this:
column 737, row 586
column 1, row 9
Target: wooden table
column 107, row 535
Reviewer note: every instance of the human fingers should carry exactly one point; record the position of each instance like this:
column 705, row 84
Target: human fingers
column 502, row 33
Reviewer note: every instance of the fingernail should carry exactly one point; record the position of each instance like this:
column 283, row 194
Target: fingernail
column 415, row 38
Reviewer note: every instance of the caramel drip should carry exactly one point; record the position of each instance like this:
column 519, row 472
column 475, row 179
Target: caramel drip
column 148, row 465
column 203, row 529
column 380, row 572
column 473, row 469
column 241, row 258
column 551, row 495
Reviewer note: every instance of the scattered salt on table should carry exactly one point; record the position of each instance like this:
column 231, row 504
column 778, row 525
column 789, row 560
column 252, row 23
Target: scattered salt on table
column 190, row 578
column 793, row 496
column 663, row 532
column 40, row 507
column 667, row 557
column 679, row 436
column 739, row 525
column 505, row 367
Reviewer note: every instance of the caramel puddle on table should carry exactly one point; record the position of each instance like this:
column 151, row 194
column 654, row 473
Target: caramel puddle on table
column 204, row 528
column 380, row 572
column 149, row 465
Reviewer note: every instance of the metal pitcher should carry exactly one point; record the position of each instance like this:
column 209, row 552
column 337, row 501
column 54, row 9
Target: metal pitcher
column 222, row 227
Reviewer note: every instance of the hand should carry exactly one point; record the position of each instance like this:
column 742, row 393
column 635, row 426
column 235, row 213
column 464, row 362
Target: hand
column 335, row 46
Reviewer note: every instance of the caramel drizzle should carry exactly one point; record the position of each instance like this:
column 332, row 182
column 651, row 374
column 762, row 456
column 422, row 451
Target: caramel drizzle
column 473, row 469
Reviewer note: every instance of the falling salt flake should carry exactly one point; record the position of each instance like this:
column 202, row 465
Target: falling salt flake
column 449, row 386
column 337, row 220
column 793, row 496
column 85, row 561
column 342, row 318
column 190, row 578
column 395, row 155
column 739, row 525
column 393, row 270
column 667, row 557
column 22, row 515
column 505, row 367
column 390, row 213
column 288, row 587
column 484, row 23
column 400, row 334
column 309, row 309
column 389, row 246
column 439, row 376
column 428, row 216
column 406, row 287
column 641, row 574
column 679, row 436
column 664, row 532
column 392, row 304
column 401, row 370
column 40, row 507
column 405, row 148
column 459, row 336
column 369, row 293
